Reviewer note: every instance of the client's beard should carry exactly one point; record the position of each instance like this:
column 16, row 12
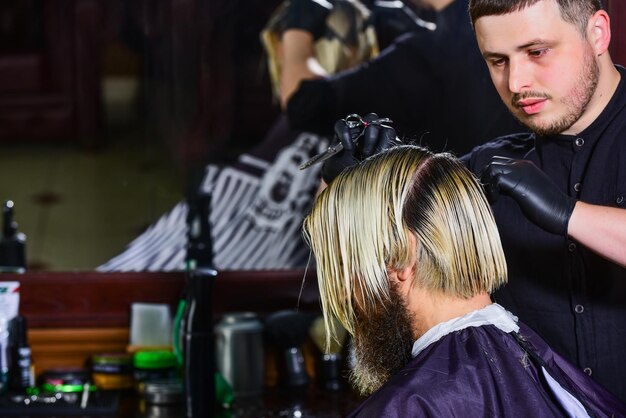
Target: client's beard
column 382, row 345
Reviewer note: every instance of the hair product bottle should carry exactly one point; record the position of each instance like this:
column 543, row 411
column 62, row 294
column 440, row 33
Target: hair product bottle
column 196, row 326
column 20, row 355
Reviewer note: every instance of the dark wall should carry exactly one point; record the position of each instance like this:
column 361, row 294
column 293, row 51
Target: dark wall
column 617, row 11
column 207, row 90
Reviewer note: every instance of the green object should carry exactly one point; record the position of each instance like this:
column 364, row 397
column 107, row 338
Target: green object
column 32, row 391
column 154, row 360
column 154, row 365
column 50, row 388
column 176, row 338
column 223, row 391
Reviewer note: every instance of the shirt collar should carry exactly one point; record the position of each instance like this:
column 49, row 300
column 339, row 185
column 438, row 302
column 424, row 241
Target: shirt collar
column 492, row 314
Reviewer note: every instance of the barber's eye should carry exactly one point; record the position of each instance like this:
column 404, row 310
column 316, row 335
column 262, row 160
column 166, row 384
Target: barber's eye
column 538, row 52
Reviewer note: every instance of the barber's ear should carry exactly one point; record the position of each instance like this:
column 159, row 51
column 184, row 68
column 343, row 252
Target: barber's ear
column 599, row 32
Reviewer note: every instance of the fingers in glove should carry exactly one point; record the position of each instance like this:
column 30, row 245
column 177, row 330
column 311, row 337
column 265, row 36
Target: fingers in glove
column 377, row 136
column 344, row 134
column 371, row 138
column 387, row 138
column 336, row 164
column 490, row 176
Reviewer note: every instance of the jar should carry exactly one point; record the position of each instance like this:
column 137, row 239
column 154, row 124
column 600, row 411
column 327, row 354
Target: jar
column 154, row 365
column 163, row 392
column 112, row 370
column 65, row 383
column 162, row 399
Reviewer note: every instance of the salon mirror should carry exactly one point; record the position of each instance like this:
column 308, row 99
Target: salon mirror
column 111, row 110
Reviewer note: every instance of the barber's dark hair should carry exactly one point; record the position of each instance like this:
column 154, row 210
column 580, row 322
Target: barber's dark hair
column 576, row 12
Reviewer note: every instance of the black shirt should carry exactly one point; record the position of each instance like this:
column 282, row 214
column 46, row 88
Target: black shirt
column 575, row 299
column 434, row 85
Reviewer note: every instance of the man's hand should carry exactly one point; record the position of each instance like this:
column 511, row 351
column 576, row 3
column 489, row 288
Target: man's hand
column 376, row 137
column 540, row 199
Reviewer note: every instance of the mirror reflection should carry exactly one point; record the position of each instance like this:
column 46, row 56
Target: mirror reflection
column 114, row 114
column 111, row 111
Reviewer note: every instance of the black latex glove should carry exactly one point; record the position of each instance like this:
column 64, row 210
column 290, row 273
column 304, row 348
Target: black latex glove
column 307, row 15
column 374, row 138
column 539, row 198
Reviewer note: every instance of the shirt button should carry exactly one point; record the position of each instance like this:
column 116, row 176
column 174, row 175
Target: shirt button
column 620, row 200
column 571, row 247
column 580, row 142
column 588, row 370
column 579, row 308
column 577, row 187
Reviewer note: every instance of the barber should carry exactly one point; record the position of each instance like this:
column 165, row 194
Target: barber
column 558, row 194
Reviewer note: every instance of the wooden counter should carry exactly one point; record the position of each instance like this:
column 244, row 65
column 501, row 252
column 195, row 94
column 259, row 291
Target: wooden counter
column 73, row 315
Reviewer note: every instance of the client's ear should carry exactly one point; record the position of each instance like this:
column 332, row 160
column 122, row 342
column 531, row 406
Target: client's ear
column 406, row 274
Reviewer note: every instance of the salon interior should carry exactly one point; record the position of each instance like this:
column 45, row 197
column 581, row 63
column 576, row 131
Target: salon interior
column 114, row 117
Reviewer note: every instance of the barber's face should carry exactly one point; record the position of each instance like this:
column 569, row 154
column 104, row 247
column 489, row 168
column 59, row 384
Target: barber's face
column 543, row 68
column 382, row 344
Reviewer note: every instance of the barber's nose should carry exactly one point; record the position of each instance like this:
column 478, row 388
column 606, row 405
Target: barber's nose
column 519, row 77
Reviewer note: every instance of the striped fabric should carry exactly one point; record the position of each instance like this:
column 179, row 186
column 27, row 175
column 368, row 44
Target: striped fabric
column 256, row 218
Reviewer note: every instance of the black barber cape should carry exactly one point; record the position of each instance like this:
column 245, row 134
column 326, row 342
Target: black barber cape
column 482, row 371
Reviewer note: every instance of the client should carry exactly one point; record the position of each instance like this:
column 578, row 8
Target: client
column 407, row 255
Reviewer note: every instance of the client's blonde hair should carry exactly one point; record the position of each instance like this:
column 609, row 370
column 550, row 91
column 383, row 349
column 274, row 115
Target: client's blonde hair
column 359, row 228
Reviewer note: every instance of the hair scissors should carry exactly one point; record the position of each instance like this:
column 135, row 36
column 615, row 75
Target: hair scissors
column 353, row 121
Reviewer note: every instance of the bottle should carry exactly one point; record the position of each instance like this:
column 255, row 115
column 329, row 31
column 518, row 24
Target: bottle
column 196, row 325
column 20, row 355
column 12, row 243
column 196, row 255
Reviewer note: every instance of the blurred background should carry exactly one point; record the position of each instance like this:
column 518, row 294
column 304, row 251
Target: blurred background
column 110, row 110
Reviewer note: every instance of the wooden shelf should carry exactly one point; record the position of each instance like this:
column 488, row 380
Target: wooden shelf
column 90, row 299
column 72, row 316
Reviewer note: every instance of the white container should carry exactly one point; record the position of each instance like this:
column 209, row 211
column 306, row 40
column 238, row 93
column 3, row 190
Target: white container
column 150, row 325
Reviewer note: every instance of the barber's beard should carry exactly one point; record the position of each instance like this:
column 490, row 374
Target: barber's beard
column 575, row 103
column 382, row 345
